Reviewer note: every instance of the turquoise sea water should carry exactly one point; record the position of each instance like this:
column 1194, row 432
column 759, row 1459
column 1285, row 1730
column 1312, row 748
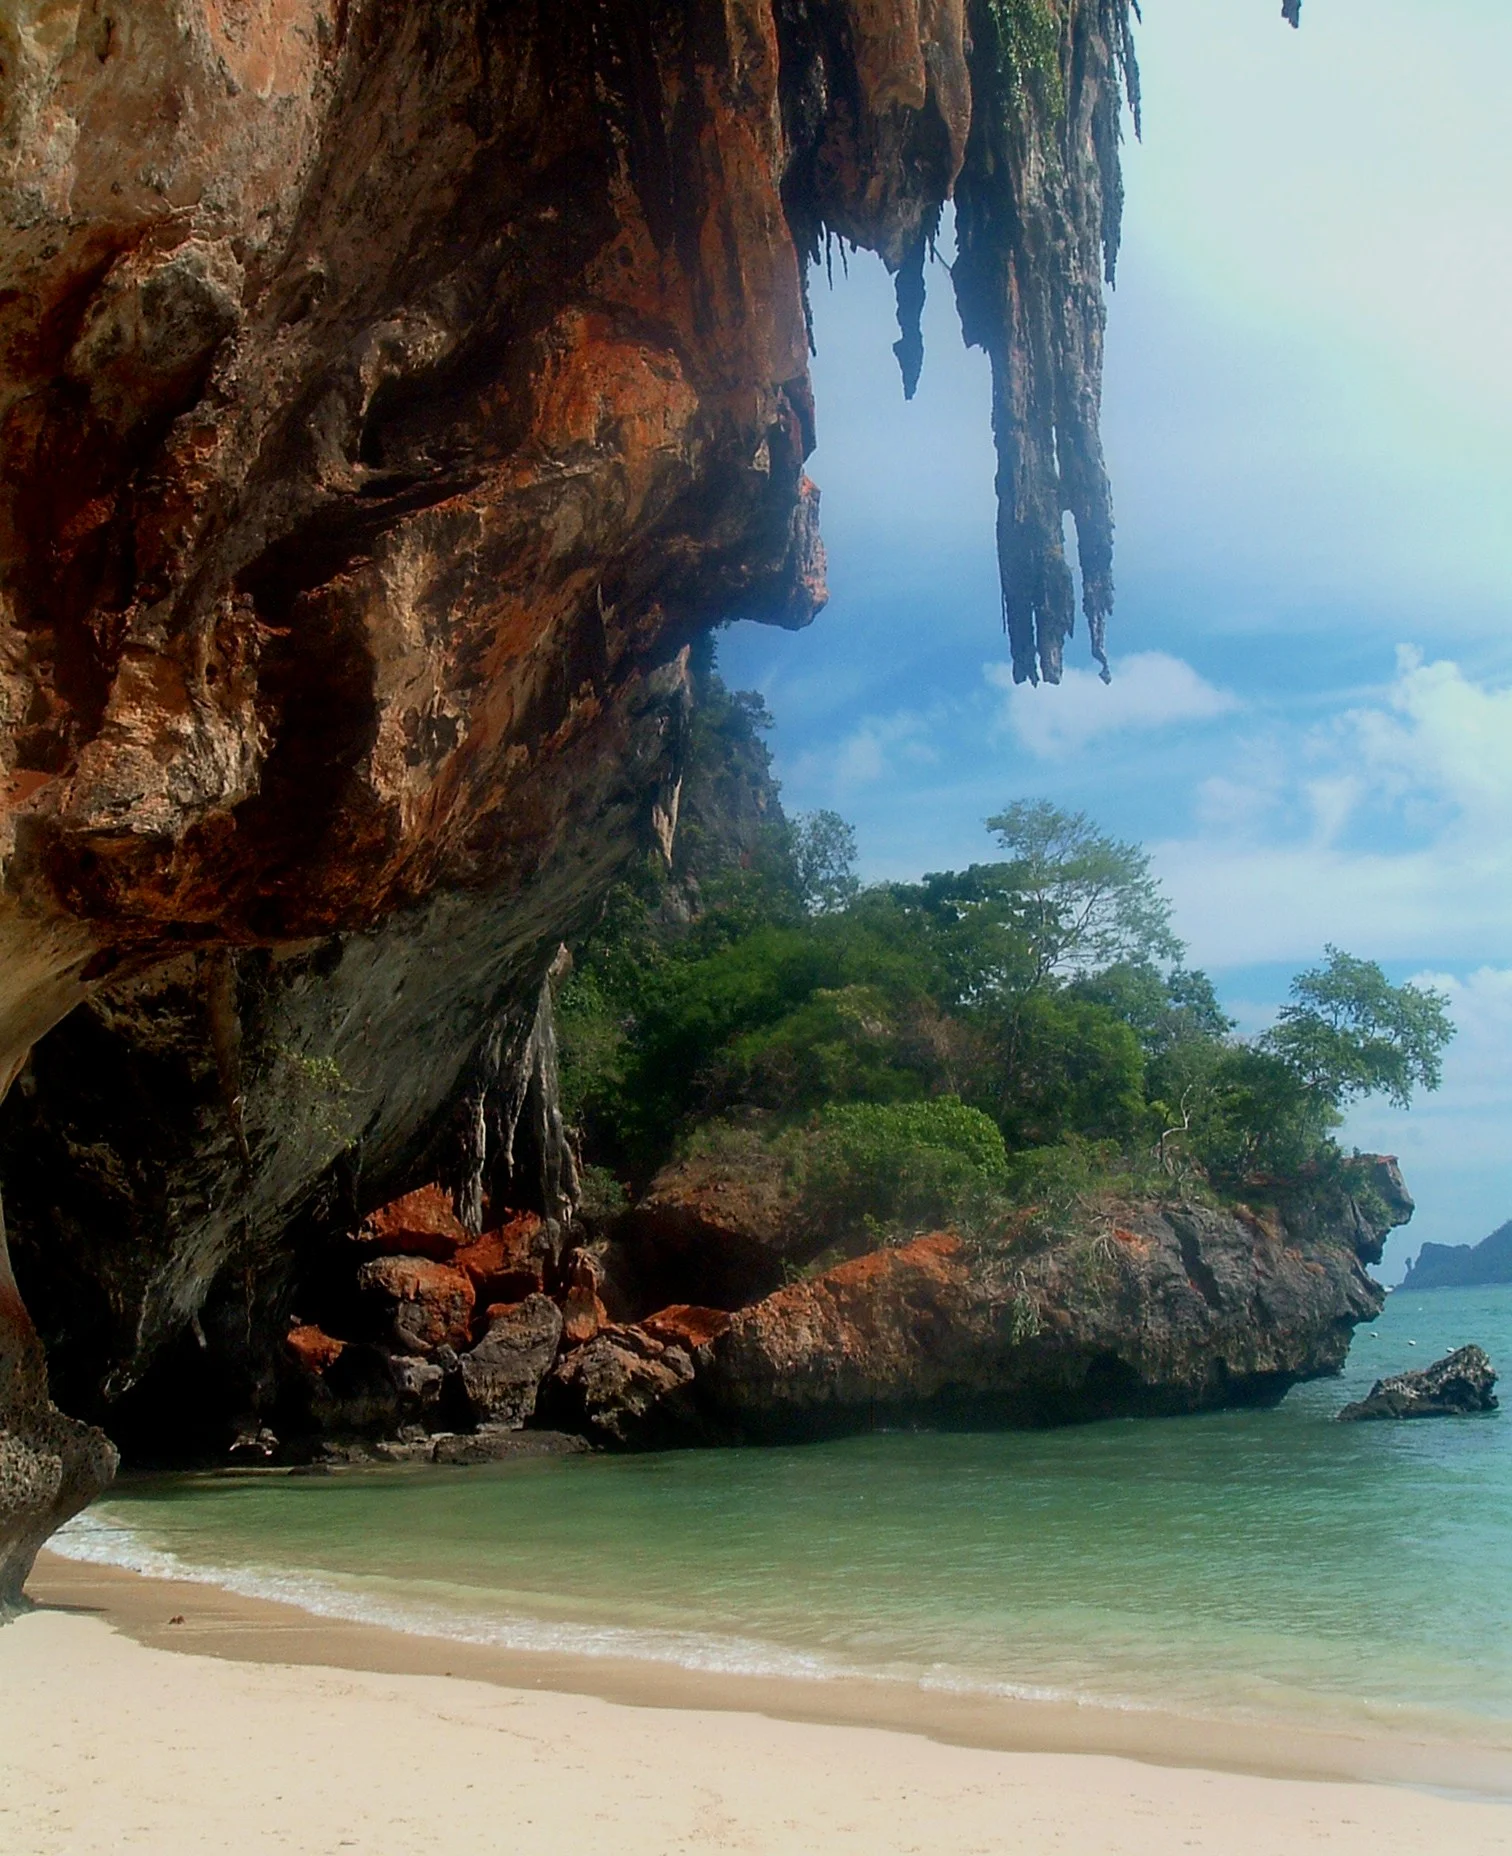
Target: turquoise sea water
column 1249, row 1564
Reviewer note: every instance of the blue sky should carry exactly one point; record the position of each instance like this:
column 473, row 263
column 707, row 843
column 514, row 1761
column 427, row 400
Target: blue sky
column 1308, row 402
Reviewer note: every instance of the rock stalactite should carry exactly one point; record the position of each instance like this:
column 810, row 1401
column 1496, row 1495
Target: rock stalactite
column 517, row 1093
column 1039, row 204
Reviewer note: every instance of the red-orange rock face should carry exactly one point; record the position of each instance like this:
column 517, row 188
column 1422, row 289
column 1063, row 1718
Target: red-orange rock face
column 386, row 389
column 1157, row 1309
column 583, row 1312
column 423, row 1305
column 506, row 1264
column 890, row 1328
column 312, row 1349
column 419, row 1224
column 717, row 1227
column 682, row 1325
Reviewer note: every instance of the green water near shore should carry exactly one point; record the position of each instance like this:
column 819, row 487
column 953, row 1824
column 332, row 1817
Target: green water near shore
column 1248, row 1564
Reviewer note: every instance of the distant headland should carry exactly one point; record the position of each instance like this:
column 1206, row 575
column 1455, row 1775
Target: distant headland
column 1463, row 1266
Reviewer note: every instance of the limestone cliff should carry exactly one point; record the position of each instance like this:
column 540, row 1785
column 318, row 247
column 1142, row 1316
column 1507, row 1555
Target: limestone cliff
column 390, row 391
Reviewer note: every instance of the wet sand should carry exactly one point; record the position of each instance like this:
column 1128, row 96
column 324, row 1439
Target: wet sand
column 252, row 1726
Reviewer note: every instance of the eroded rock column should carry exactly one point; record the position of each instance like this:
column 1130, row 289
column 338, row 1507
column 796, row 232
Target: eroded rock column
column 50, row 1466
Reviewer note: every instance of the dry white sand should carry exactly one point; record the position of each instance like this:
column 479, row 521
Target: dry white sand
column 107, row 1745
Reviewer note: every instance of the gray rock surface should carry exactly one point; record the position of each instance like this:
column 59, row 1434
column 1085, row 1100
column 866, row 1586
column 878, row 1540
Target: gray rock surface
column 503, row 1373
column 625, row 1387
column 493, row 1444
column 1458, row 1386
column 51, row 1466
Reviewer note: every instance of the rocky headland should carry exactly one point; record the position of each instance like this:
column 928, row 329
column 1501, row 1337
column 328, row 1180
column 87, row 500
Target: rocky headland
column 1463, row 1266
column 433, row 1345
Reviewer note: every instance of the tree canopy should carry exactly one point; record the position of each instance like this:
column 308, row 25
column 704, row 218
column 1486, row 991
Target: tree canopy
column 1348, row 1032
column 1038, row 1007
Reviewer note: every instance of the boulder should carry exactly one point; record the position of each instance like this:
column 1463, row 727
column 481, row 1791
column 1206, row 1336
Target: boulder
column 583, row 1311
column 1458, row 1386
column 311, row 1348
column 502, row 1374
column 420, row 1304
column 894, row 1328
column 624, row 1387
column 421, row 1385
column 420, row 1224
column 509, row 1263
column 714, row 1229
column 495, row 1443
column 368, row 1391
column 686, row 1325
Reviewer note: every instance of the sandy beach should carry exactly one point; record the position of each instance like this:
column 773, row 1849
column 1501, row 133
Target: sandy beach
column 262, row 1729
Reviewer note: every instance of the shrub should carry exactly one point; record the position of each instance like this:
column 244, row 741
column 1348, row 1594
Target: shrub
column 892, row 1169
column 600, row 1194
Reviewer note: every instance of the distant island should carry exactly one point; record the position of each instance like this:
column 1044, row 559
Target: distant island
column 1463, row 1266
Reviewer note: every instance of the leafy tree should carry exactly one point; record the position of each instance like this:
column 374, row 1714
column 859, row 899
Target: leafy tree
column 1349, row 1032
column 1162, row 1009
column 1236, row 1111
column 844, row 1044
column 823, row 852
column 1038, row 1000
column 1086, row 901
column 1070, row 1066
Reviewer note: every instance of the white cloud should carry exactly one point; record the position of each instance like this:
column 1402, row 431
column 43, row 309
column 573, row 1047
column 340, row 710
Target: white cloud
column 1385, row 831
column 1149, row 690
column 876, row 747
column 1441, row 736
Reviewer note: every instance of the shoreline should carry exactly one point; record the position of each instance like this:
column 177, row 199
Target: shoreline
column 250, row 1727
column 229, row 1626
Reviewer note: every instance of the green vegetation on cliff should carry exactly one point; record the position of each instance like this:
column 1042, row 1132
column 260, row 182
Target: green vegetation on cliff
column 1012, row 1034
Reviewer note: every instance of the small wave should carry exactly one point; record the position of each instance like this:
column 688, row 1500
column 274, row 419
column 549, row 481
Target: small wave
column 99, row 1538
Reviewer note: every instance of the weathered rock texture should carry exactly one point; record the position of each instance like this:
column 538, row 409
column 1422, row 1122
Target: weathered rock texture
column 625, row 1387
column 503, row 1373
column 1135, row 1310
column 711, row 1229
column 50, row 1466
column 1460, row 1385
column 390, row 390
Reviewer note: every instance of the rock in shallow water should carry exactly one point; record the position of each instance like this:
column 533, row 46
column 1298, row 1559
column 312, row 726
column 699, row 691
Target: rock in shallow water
column 495, row 1444
column 1460, row 1385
